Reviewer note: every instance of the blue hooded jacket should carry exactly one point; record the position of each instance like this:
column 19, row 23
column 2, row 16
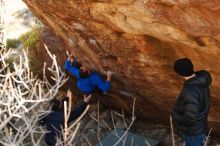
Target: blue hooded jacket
column 87, row 85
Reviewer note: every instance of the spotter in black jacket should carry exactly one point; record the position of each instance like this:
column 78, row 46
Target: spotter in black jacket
column 190, row 113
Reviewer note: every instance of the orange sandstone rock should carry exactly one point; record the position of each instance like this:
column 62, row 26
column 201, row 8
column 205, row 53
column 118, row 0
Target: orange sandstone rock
column 139, row 40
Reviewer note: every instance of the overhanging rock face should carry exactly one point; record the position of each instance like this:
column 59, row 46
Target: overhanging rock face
column 139, row 40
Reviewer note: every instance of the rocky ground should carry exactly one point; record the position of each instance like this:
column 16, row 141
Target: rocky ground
column 89, row 128
column 163, row 133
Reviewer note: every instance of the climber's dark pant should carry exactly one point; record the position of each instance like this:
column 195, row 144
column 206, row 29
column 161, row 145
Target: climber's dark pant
column 197, row 140
column 96, row 91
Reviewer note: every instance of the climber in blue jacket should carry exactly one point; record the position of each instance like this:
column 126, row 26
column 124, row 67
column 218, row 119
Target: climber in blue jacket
column 54, row 121
column 88, row 82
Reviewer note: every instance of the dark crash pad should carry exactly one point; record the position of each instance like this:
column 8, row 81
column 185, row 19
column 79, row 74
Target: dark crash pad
column 110, row 139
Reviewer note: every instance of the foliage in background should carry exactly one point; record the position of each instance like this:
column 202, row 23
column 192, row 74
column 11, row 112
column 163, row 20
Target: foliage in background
column 9, row 61
column 30, row 38
column 12, row 43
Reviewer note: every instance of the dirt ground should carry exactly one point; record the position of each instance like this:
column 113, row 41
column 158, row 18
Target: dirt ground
column 161, row 132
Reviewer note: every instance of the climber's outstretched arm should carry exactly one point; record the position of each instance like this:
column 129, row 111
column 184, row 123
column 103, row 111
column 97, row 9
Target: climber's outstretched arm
column 79, row 109
column 104, row 85
column 71, row 69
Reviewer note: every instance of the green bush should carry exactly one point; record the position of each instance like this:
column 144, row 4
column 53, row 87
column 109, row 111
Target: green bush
column 30, row 41
column 30, row 38
column 12, row 43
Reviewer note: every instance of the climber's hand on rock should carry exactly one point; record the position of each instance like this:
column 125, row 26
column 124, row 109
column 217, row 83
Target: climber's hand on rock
column 69, row 55
column 109, row 75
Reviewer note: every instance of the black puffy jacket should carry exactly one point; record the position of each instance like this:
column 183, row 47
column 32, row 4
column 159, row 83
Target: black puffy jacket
column 190, row 113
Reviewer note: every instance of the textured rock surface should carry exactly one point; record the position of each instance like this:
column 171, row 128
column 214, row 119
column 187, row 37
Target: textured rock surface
column 139, row 40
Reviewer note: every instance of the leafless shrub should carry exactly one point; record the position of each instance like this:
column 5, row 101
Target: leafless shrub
column 172, row 131
column 122, row 138
column 69, row 132
column 22, row 96
column 207, row 138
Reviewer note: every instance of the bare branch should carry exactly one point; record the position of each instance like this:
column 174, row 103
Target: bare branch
column 171, row 125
